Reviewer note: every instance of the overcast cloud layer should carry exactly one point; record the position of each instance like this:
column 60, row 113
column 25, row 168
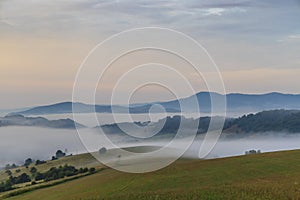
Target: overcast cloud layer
column 256, row 43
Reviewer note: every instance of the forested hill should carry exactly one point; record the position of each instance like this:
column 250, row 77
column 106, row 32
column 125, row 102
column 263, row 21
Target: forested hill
column 266, row 121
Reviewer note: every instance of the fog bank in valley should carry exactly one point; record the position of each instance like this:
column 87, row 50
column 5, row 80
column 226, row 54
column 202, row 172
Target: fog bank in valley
column 19, row 143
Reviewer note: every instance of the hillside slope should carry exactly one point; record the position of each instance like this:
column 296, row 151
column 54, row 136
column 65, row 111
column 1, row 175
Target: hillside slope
column 78, row 161
column 266, row 121
column 262, row 176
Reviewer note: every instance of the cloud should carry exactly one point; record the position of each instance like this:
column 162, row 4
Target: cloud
column 214, row 11
column 229, row 18
column 294, row 37
column 100, row 15
column 7, row 22
column 221, row 11
column 290, row 38
column 238, row 34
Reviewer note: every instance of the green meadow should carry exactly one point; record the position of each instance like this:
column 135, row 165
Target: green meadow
column 267, row 176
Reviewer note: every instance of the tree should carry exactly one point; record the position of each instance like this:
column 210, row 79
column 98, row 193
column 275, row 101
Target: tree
column 60, row 154
column 28, row 162
column 92, row 170
column 61, row 172
column 39, row 162
column 250, row 152
column 7, row 167
column 8, row 172
column 103, row 150
column 33, row 170
column 83, row 170
column 23, row 178
column 5, row 186
column 39, row 176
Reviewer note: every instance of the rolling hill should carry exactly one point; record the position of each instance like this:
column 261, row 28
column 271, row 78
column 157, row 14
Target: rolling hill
column 262, row 176
column 266, row 121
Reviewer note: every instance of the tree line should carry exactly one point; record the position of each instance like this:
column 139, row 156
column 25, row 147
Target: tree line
column 53, row 173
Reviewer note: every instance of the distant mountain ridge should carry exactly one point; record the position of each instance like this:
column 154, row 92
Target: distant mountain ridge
column 20, row 120
column 235, row 102
column 247, row 102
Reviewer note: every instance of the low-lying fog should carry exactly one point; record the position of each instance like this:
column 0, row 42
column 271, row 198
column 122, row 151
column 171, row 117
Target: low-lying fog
column 19, row 143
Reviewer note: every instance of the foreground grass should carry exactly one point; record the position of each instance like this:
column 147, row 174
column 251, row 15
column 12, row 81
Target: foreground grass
column 268, row 176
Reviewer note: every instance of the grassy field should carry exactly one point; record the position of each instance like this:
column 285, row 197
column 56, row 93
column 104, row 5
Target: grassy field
column 263, row 176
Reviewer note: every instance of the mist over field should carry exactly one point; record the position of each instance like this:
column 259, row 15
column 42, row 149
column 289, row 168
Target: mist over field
column 19, row 143
column 235, row 147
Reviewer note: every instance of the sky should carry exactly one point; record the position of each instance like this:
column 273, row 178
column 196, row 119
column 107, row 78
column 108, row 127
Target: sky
column 255, row 44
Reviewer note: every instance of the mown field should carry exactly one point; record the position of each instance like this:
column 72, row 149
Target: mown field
column 263, row 176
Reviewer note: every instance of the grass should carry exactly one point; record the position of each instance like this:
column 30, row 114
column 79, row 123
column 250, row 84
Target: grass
column 268, row 176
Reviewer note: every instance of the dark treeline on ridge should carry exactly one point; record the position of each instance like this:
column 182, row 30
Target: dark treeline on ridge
column 266, row 121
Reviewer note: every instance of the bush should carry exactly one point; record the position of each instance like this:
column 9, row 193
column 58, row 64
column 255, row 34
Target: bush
column 60, row 154
column 83, row 170
column 60, row 172
column 23, row 178
column 53, row 158
column 52, row 174
column 39, row 176
column 92, row 170
column 8, row 172
column 28, row 161
column 33, row 170
column 8, row 166
column 5, row 186
column 39, row 162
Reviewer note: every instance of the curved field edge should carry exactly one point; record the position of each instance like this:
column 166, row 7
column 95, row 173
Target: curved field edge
column 262, row 176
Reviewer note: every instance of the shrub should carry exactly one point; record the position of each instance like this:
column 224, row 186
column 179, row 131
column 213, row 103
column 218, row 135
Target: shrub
column 92, row 170
column 39, row 162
